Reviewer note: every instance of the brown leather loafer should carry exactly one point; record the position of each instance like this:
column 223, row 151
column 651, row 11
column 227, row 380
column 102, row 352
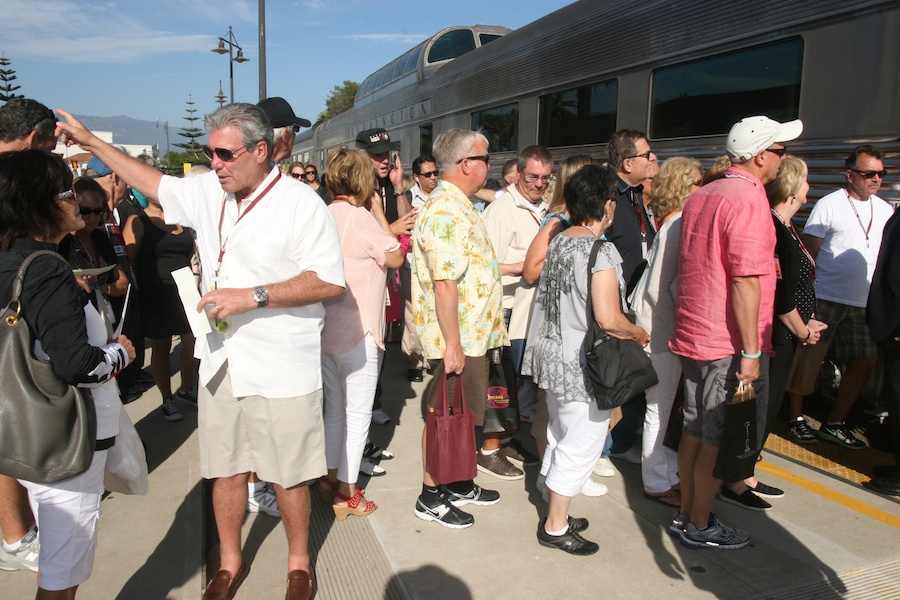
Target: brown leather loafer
column 223, row 585
column 300, row 586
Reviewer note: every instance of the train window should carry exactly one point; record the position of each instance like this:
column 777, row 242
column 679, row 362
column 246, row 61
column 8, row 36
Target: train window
column 394, row 69
column 707, row 96
column 413, row 61
column 366, row 86
column 451, row 45
column 426, row 138
column 585, row 115
column 501, row 126
column 380, row 77
column 487, row 38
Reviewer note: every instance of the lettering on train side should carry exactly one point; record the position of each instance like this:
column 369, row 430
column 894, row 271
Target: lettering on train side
column 401, row 115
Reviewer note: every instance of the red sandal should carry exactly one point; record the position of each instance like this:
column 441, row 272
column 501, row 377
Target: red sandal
column 353, row 505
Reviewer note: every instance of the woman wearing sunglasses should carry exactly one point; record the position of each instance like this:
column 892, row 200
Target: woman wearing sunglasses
column 312, row 180
column 295, row 170
column 90, row 248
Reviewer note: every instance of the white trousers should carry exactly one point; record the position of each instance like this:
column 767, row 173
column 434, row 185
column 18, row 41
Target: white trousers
column 659, row 464
column 349, row 382
column 66, row 513
column 575, row 437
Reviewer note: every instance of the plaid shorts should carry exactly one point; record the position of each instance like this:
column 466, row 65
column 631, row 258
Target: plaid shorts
column 848, row 333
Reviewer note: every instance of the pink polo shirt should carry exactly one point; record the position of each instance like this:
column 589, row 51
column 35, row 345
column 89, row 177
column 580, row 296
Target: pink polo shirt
column 360, row 309
column 726, row 232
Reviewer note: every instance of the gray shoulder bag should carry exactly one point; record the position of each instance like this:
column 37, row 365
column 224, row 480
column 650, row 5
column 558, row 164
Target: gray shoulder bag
column 48, row 428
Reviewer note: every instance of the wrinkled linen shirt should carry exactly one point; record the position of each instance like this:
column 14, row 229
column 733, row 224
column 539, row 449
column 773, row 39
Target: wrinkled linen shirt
column 271, row 352
column 726, row 231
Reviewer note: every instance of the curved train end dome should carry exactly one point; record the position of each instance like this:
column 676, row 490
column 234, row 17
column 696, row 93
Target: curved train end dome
column 426, row 58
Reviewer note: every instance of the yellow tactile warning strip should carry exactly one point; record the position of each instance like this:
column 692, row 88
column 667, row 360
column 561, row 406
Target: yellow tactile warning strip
column 854, row 466
column 872, row 582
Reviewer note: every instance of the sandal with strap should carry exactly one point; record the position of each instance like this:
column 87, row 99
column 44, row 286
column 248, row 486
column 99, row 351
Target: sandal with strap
column 672, row 498
column 353, row 505
column 327, row 489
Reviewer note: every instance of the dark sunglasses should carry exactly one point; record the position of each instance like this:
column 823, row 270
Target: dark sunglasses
column 85, row 211
column 224, row 154
column 296, row 175
column 484, row 157
column 311, row 173
column 431, row 174
column 777, row 151
column 871, row 174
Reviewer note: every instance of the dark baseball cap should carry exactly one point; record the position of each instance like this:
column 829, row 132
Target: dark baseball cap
column 374, row 141
column 280, row 113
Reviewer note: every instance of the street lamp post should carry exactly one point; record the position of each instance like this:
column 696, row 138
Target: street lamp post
column 220, row 97
column 232, row 44
column 166, row 128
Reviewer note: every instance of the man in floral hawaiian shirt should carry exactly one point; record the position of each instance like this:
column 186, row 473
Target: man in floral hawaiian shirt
column 458, row 299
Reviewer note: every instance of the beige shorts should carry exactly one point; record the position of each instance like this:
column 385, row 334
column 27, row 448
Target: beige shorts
column 281, row 439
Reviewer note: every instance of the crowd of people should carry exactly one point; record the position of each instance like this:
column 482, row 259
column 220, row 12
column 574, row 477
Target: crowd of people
column 704, row 269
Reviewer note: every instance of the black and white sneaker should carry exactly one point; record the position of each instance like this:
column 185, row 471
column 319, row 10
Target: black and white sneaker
column 373, row 452
column 571, row 541
column 170, row 411
column 441, row 511
column 477, row 495
column 767, row 491
column 747, row 499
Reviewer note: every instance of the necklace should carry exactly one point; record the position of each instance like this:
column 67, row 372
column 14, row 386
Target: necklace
column 790, row 227
column 865, row 229
column 744, row 177
column 591, row 229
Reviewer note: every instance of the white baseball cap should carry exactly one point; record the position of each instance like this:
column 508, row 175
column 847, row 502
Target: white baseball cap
column 751, row 135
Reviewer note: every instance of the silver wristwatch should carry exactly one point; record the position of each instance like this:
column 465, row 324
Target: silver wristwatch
column 261, row 295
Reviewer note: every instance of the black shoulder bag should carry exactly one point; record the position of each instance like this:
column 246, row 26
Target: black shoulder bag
column 618, row 369
column 48, row 428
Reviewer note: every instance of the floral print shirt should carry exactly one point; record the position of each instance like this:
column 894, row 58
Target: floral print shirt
column 451, row 243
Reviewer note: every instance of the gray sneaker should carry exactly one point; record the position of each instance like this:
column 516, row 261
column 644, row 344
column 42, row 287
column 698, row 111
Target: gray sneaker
column 23, row 557
column 717, row 535
column 676, row 527
column 498, row 465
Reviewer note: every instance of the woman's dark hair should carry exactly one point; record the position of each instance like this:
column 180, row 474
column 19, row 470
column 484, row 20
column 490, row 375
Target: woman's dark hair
column 587, row 191
column 29, row 182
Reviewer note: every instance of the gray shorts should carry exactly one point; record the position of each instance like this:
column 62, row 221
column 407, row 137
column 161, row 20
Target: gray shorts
column 708, row 385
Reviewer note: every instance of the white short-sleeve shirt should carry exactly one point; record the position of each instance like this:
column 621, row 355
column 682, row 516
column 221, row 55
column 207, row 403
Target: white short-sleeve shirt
column 271, row 352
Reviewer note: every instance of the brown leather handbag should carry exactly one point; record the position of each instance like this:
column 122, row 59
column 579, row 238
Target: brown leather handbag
column 48, row 428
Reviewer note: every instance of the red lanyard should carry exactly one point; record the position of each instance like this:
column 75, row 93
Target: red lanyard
column 865, row 229
column 222, row 243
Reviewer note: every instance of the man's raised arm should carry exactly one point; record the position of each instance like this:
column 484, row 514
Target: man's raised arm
column 138, row 175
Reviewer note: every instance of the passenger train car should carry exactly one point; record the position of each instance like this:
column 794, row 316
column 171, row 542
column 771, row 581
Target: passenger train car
column 684, row 72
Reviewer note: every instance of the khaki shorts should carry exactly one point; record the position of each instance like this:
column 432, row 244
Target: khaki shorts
column 281, row 439
column 475, row 384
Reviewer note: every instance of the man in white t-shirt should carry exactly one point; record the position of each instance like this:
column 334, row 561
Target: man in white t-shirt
column 843, row 234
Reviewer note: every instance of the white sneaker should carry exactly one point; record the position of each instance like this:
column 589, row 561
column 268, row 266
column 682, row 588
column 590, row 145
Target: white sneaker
column 604, row 468
column 264, row 501
column 632, row 455
column 592, row 489
column 371, row 469
column 23, row 557
column 379, row 417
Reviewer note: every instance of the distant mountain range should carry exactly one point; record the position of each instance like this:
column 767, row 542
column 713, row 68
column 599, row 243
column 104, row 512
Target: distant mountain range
column 127, row 130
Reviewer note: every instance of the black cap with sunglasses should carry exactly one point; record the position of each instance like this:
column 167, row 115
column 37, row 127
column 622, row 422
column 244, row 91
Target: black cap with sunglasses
column 280, row 114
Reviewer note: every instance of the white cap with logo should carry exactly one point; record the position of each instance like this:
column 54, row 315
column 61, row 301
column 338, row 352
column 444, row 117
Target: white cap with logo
column 751, row 135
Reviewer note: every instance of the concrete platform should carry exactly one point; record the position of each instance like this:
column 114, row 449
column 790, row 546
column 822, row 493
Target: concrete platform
column 827, row 538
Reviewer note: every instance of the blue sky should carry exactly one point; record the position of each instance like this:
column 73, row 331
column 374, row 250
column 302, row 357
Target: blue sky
column 142, row 59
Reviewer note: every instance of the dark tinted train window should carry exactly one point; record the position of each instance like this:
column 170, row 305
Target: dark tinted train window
column 487, row 38
column 501, row 126
column 451, row 44
column 414, row 58
column 706, row 97
column 379, row 80
column 392, row 70
column 426, row 139
column 585, row 115
column 366, row 87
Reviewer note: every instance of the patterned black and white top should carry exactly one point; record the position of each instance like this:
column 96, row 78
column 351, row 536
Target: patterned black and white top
column 796, row 284
column 554, row 356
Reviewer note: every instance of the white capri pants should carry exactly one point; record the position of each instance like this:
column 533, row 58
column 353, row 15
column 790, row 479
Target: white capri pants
column 575, row 437
column 66, row 514
column 349, row 381
column 659, row 464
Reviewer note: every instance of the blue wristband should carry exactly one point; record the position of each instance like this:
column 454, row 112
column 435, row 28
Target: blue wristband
column 751, row 356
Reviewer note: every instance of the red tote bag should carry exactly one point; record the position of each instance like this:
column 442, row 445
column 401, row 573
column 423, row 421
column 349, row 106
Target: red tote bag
column 450, row 436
